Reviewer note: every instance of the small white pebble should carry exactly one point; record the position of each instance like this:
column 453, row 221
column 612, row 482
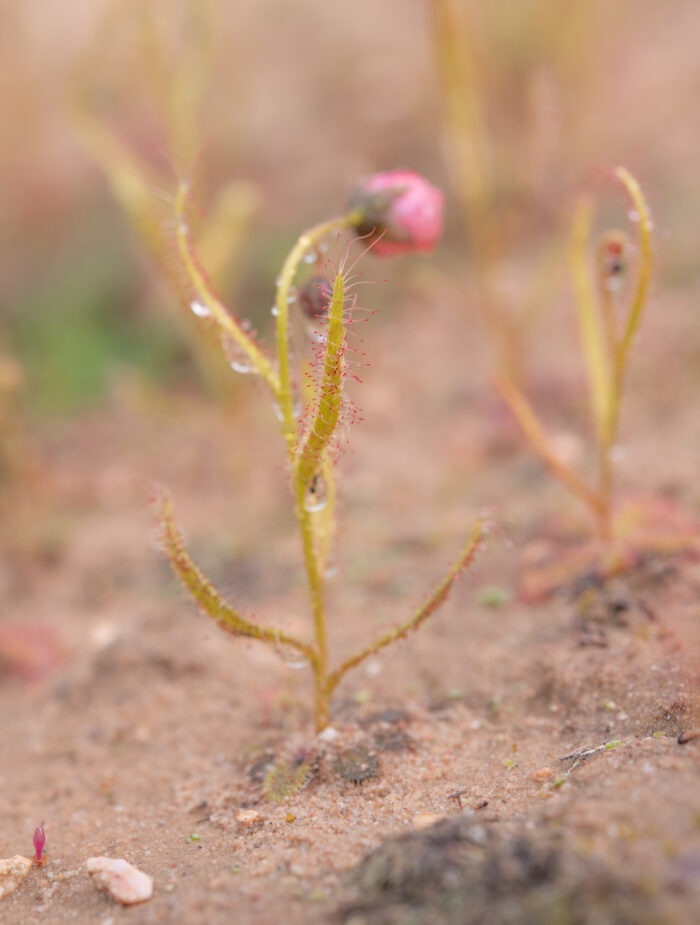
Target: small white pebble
column 373, row 668
column 124, row 882
column 248, row 818
column 104, row 634
column 425, row 820
column 329, row 734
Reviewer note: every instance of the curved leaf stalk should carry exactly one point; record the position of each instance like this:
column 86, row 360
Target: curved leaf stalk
column 139, row 189
column 208, row 598
column 201, row 285
column 435, row 599
column 638, row 301
column 525, row 415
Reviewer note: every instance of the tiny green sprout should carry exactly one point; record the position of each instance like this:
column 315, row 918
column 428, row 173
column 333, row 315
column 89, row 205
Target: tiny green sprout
column 658, row 734
column 508, row 763
column 235, row 870
column 613, row 744
column 193, row 838
column 362, row 696
column 494, row 596
column 560, row 781
column 405, row 214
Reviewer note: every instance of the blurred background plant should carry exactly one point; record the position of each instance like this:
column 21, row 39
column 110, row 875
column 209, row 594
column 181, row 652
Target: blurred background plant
column 607, row 332
column 507, row 76
column 610, row 303
column 10, row 386
column 177, row 64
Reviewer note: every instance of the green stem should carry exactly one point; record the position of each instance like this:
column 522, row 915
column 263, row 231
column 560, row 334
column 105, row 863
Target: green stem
column 309, row 458
column 309, row 461
column 322, row 696
column 315, row 582
column 531, row 427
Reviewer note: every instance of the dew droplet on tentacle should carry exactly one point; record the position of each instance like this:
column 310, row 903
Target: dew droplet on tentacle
column 199, row 309
column 291, row 657
column 237, row 358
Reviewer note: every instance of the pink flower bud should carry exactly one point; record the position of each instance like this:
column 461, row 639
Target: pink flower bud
column 401, row 210
column 39, row 841
column 315, row 296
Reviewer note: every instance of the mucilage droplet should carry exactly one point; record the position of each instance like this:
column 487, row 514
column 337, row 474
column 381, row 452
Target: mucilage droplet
column 199, row 309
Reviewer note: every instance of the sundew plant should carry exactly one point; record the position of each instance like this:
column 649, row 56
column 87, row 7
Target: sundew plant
column 397, row 212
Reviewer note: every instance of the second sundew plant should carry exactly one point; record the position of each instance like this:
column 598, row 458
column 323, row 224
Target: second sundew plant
column 394, row 212
column 609, row 307
column 607, row 331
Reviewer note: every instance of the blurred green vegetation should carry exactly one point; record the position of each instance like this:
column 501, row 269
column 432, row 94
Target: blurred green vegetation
column 83, row 320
